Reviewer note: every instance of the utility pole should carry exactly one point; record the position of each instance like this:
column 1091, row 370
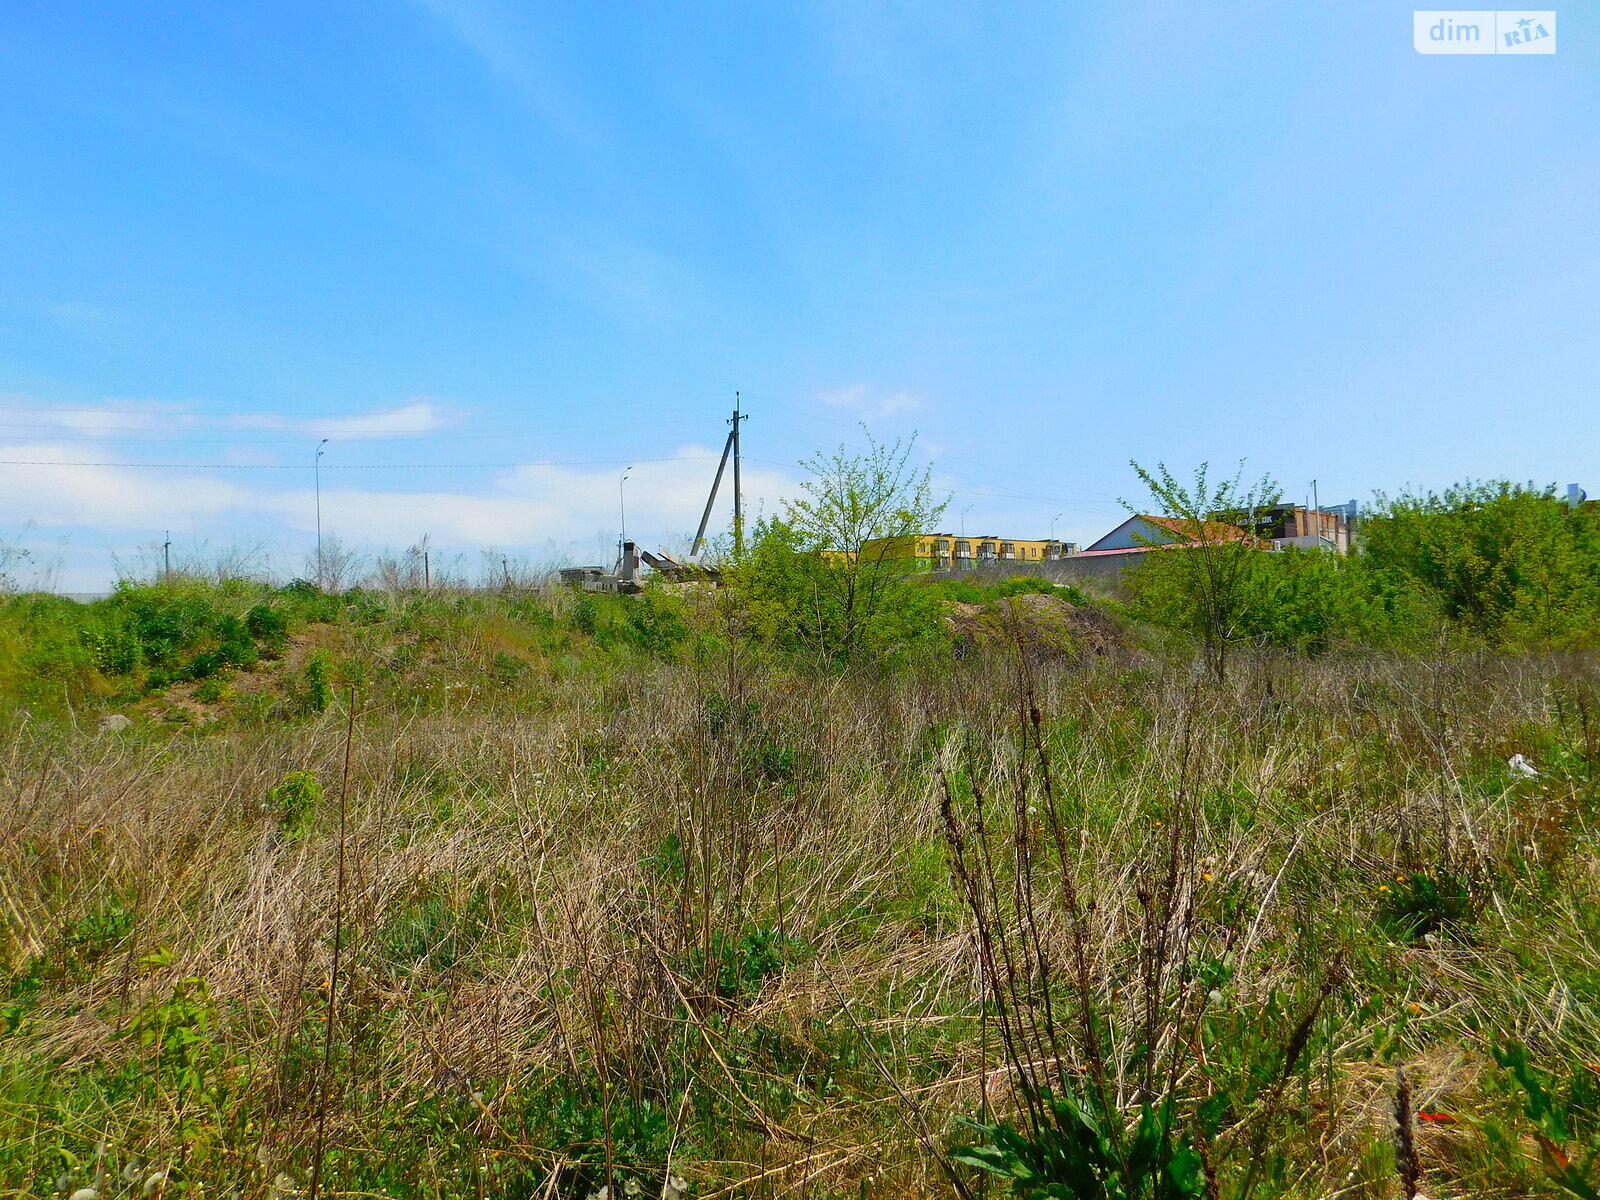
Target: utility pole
column 1316, row 507
column 738, row 494
column 166, row 558
column 316, row 473
column 729, row 446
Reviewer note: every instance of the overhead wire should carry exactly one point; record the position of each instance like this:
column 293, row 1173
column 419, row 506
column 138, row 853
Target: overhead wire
column 591, row 462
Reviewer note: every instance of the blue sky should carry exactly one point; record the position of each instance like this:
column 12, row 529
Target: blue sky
column 497, row 251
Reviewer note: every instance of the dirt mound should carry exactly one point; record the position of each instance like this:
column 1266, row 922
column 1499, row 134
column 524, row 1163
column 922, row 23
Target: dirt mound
column 1042, row 624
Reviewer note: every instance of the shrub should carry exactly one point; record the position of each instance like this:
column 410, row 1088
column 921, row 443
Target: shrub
column 294, row 800
column 113, row 651
column 270, row 627
column 319, row 686
column 1510, row 563
column 654, row 623
column 167, row 621
column 1419, row 903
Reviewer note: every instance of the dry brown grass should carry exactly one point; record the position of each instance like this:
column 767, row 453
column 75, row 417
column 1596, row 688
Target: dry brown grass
column 615, row 842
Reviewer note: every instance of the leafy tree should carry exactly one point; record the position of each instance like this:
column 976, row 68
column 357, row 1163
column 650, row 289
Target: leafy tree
column 1202, row 582
column 832, row 575
column 1510, row 563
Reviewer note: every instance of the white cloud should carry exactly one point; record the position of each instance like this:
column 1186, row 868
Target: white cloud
column 73, row 489
column 419, row 416
column 871, row 403
column 527, row 509
column 539, row 503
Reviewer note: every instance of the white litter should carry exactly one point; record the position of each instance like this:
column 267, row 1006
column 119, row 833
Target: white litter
column 1521, row 767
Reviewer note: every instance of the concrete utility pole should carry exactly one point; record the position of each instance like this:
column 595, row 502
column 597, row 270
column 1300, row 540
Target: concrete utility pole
column 730, row 446
column 316, row 473
column 166, row 558
column 738, row 493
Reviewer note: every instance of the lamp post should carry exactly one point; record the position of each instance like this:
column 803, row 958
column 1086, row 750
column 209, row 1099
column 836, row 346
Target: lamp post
column 316, row 475
column 1053, row 521
column 964, row 520
column 622, row 509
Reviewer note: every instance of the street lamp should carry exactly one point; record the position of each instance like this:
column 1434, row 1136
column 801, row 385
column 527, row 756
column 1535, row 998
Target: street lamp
column 1053, row 521
column 964, row 520
column 316, row 475
column 622, row 509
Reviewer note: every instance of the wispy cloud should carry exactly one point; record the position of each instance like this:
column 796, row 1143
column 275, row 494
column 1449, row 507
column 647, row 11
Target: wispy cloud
column 418, row 416
column 506, row 43
column 871, row 403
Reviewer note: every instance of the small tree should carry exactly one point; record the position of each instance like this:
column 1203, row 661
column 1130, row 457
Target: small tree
column 832, row 573
column 1202, row 579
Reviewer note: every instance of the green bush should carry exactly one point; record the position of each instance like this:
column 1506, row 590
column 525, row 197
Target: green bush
column 269, row 627
column 167, row 620
column 654, row 623
column 319, row 684
column 114, row 651
column 586, row 615
column 796, row 598
column 1508, row 562
column 293, row 802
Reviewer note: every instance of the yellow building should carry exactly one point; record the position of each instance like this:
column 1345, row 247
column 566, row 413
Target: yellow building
column 949, row 550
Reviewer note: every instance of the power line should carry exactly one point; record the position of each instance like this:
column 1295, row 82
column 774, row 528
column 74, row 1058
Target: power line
column 1085, row 505
column 310, row 431
column 471, row 466
column 161, row 412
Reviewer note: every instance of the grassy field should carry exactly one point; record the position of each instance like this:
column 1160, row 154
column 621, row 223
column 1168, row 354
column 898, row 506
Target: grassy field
column 538, row 895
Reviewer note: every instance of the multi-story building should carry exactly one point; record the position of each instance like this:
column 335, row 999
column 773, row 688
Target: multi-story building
column 947, row 550
column 1308, row 528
